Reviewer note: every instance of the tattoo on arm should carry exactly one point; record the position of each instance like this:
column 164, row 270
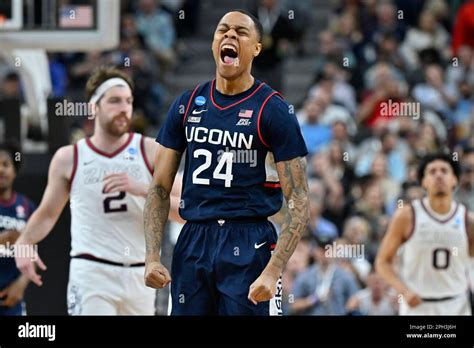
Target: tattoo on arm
column 156, row 212
column 157, row 207
column 295, row 189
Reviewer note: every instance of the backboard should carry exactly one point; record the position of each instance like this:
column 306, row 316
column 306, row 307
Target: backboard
column 11, row 14
column 60, row 25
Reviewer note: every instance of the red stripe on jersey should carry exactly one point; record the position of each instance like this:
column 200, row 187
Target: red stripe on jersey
column 113, row 154
column 272, row 246
column 237, row 102
column 413, row 223
column 272, row 185
column 189, row 104
column 435, row 218
column 8, row 203
column 260, row 115
column 74, row 166
column 145, row 159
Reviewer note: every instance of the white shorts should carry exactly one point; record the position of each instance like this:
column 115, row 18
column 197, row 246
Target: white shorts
column 458, row 305
column 95, row 288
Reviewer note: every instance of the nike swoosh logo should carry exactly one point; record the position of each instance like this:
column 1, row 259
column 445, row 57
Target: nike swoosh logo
column 197, row 112
column 256, row 246
column 87, row 163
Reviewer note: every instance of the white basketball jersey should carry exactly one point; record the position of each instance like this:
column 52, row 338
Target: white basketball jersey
column 108, row 225
column 434, row 260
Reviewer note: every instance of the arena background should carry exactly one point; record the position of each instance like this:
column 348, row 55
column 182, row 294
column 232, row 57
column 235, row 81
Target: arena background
column 335, row 62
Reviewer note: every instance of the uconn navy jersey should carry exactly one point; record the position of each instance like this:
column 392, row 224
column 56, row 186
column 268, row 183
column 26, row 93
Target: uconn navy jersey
column 13, row 216
column 232, row 145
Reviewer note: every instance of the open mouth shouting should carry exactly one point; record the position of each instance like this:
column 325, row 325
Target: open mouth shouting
column 229, row 54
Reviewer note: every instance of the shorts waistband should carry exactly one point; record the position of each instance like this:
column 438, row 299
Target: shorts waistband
column 227, row 222
column 107, row 262
column 440, row 299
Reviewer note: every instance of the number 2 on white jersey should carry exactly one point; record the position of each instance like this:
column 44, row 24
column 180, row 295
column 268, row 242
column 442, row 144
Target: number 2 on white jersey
column 226, row 160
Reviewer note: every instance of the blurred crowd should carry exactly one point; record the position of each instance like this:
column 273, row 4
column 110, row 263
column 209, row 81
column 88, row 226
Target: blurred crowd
column 375, row 60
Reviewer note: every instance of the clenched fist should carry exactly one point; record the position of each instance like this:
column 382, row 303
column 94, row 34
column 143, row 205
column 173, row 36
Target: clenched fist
column 156, row 275
column 262, row 289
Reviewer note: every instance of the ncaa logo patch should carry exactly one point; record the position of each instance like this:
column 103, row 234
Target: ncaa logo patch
column 200, row 100
column 129, row 155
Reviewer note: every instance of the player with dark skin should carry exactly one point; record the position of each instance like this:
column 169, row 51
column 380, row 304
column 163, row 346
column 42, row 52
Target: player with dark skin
column 13, row 293
column 235, row 45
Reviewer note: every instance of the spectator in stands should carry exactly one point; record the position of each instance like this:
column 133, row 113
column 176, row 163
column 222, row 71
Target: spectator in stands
column 324, row 168
column 340, row 134
column 427, row 141
column 428, row 34
column 318, row 225
column 10, row 86
column 388, row 144
column 465, row 193
column 130, row 37
column 81, row 68
column 390, row 187
column 388, row 50
column 325, row 287
column 411, row 190
column 357, row 233
column 387, row 21
column 384, row 89
column 463, row 119
column 434, row 94
column 369, row 202
column 331, row 51
column 463, row 30
column 332, row 112
column 277, row 31
column 315, row 134
column 346, row 31
column 157, row 27
column 333, row 80
column 297, row 264
column 338, row 165
column 461, row 68
column 376, row 299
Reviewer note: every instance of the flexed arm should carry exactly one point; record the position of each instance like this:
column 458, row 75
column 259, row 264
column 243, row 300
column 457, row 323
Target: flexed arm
column 294, row 183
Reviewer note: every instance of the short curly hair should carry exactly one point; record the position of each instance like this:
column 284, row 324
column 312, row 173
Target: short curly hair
column 445, row 157
column 101, row 74
column 12, row 149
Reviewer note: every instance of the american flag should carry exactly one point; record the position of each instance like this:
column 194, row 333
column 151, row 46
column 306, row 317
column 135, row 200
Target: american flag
column 245, row 113
column 76, row 16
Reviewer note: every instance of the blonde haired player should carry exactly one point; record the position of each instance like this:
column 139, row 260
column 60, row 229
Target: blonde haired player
column 106, row 178
column 434, row 236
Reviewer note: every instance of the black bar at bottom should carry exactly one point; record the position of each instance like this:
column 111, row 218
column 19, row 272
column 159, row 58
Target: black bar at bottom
column 291, row 331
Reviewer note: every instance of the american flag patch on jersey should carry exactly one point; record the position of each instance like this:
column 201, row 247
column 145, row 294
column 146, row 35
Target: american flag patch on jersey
column 245, row 113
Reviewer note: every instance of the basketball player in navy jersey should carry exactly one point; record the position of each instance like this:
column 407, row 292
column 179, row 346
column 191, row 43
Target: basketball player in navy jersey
column 435, row 237
column 15, row 209
column 243, row 150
